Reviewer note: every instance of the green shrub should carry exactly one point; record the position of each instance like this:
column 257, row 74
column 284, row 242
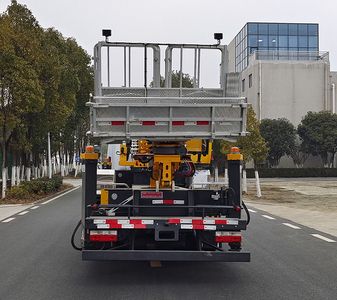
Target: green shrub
column 43, row 185
column 18, row 192
column 33, row 186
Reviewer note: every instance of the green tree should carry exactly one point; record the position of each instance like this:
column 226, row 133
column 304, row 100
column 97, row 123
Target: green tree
column 187, row 80
column 45, row 80
column 280, row 136
column 20, row 90
column 318, row 131
column 253, row 146
column 298, row 153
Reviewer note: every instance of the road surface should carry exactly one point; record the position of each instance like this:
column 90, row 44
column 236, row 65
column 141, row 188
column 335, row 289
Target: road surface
column 37, row 262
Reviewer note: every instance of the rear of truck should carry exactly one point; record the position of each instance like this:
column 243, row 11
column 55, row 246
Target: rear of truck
column 153, row 211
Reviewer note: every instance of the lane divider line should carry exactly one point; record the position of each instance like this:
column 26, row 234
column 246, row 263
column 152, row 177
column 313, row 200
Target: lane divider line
column 23, row 213
column 291, row 225
column 268, row 217
column 35, row 207
column 316, row 235
column 52, row 199
column 252, row 210
column 7, row 220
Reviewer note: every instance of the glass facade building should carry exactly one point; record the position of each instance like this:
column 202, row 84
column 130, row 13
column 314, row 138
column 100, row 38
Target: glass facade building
column 276, row 38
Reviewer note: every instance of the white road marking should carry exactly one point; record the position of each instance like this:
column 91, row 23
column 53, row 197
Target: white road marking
column 323, row 238
column 252, row 210
column 35, row 207
column 7, row 220
column 23, row 213
column 291, row 225
column 52, row 199
column 268, row 217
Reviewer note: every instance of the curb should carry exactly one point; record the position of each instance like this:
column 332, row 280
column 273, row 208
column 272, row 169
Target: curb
column 50, row 197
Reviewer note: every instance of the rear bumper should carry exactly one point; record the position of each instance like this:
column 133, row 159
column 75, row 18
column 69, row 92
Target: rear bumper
column 165, row 255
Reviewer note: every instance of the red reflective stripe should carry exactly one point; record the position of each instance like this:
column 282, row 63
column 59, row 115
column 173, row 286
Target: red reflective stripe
column 168, row 202
column 149, row 123
column 228, row 239
column 111, row 222
column 202, row 123
column 140, row 226
column 220, row 221
column 114, row 226
column 135, row 221
column 173, row 221
column 197, row 222
column 178, row 123
column 198, row 227
column 117, row 123
column 103, row 238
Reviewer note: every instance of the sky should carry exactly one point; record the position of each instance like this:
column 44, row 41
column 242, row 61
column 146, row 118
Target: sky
column 178, row 21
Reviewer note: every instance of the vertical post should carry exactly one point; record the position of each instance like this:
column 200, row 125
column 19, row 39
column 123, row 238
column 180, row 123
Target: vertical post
column 195, row 68
column 234, row 180
column 181, row 69
column 168, row 67
column 156, row 66
column 49, row 157
column 145, row 67
column 108, row 58
column 198, row 72
column 124, row 66
column 129, row 66
column 89, row 181
column 244, row 181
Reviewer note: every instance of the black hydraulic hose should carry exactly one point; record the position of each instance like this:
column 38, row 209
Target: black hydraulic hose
column 247, row 212
column 243, row 204
column 73, row 236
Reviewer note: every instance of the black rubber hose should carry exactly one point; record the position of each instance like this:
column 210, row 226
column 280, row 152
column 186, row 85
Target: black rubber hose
column 247, row 212
column 73, row 236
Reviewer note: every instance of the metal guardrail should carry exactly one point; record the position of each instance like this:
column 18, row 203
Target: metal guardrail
column 290, row 55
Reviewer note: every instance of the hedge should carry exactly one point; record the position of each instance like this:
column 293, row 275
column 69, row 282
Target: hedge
column 293, row 172
column 39, row 186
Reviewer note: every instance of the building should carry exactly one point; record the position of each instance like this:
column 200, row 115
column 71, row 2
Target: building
column 283, row 72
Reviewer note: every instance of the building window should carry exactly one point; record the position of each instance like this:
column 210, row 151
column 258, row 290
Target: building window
column 272, row 37
column 252, row 28
column 243, row 85
column 293, row 29
column 250, row 80
column 263, row 28
column 313, row 29
column 283, row 29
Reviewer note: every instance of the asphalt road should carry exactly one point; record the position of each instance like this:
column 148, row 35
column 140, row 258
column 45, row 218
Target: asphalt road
column 37, row 262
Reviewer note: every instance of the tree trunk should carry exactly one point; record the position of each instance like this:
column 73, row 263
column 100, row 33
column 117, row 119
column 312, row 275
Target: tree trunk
column 216, row 174
column 13, row 177
column 28, row 174
column 258, row 187
column 4, row 179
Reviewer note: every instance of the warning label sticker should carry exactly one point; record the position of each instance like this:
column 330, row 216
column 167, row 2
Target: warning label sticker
column 151, row 195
